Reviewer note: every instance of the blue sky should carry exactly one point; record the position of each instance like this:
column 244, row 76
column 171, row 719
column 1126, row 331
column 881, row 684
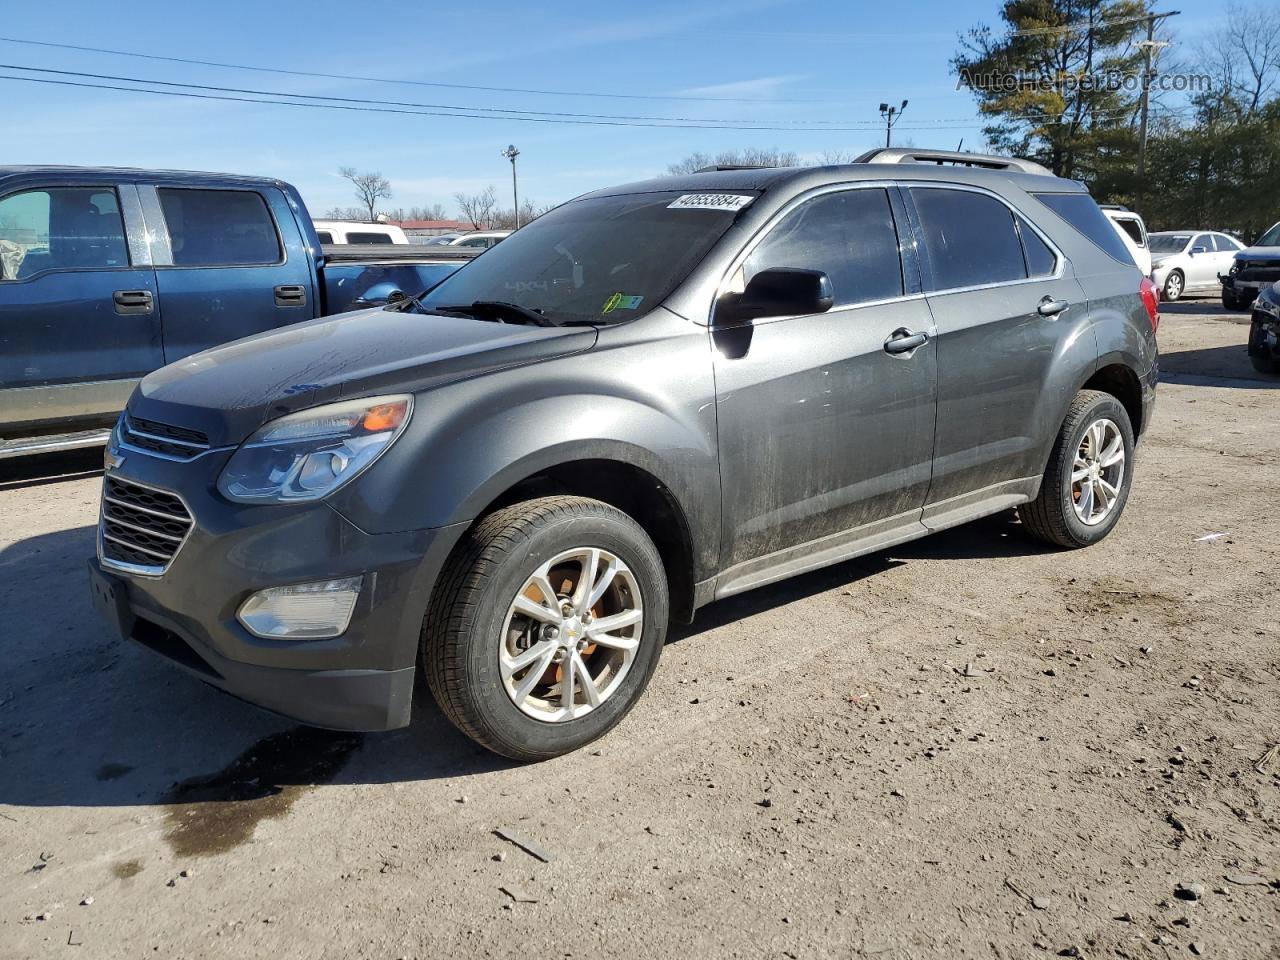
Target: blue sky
column 791, row 62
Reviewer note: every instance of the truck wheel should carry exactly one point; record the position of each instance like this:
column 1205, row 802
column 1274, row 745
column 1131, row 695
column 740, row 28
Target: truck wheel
column 1173, row 285
column 1086, row 484
column 546, row 626
column 1260, row 355
column 1233, row 301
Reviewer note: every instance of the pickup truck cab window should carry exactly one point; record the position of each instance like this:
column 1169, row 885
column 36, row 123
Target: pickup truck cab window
column 849, row 235
column 970, row 238
column 218, row 228
column 60, row 228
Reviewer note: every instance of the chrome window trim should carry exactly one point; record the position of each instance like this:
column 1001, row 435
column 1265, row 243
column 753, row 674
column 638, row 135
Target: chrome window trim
column 768, row 227
column 1059, row 270
column 135, row 225
column 148, row 571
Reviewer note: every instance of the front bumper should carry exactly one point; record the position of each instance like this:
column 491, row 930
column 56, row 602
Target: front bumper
column 361, row 680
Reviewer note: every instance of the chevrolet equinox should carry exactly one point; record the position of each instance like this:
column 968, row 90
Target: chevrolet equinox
column 650, row 398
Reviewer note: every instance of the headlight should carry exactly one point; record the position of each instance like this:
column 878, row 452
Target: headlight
column 1235, row 268
column 308, row 455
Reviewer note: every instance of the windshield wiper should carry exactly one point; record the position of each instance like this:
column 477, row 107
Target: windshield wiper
column 503, row 310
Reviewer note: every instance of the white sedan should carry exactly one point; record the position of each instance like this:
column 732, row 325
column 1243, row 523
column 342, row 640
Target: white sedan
column 1189, row 261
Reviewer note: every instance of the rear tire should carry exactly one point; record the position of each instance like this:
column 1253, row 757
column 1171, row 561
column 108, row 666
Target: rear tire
column 473, row 631
column 1235, row 302
column 1066, row 512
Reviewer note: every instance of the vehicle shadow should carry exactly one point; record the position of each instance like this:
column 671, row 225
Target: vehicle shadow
column 35, row 471
column 86, row 720
column 1227, row 366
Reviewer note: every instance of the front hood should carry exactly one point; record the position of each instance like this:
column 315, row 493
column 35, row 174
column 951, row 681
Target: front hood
column 1269, row 254
column 231, row 390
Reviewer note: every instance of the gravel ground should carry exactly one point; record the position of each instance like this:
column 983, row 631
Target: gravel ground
column 969, row 746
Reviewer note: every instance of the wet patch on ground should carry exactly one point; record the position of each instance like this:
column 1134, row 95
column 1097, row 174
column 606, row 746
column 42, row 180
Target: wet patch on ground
column 1116, row 596
column 218, row 812
column 126, row 869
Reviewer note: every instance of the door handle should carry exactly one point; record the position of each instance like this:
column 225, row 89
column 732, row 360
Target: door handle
column 133, row 302
column 290, row 295
column 1050, row 307
column 903, row 340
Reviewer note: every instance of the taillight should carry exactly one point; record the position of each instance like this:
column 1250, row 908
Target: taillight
column 1151, row 300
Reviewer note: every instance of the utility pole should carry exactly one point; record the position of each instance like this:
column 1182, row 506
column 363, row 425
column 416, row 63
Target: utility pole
column 891, row 116
column 511, row 153
column 1148, row 48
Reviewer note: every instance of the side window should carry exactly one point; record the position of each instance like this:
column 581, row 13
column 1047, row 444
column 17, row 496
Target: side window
column 218, row 228
column 1079, row 210
column 324, row 236
column 368, row 237
column 1202, row 243
column 1041, row 261
column 62, row 228
column 1131, row 228
column 970, row 238
column 849, row 235
column 1225, row 244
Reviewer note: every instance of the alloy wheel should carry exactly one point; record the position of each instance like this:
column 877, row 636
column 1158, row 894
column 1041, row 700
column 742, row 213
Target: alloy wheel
column 1097, row 474
column 570, row 635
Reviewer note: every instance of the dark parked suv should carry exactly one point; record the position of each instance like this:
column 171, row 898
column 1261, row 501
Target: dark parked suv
column 650, row 398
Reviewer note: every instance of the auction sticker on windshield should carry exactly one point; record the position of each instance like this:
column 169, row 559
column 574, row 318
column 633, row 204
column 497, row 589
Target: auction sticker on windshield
column 709, row 201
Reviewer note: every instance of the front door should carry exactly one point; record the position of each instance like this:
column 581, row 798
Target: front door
column 825, row 435
column 78, row 321
column 233, row 272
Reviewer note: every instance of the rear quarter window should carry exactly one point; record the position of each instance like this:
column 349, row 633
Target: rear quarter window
column 1079, row 210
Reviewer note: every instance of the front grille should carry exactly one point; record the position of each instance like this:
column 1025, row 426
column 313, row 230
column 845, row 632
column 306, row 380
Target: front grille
column 177, row 443
column 141, row 526
column 1259, row 270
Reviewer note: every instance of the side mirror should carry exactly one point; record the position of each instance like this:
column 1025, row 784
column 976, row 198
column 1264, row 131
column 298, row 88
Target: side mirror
column 1195, row 250
column 777, row 292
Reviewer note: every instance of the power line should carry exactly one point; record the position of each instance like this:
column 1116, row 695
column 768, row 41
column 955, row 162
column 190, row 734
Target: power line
column 415, row 83
column 402, row 103
column 482, row 113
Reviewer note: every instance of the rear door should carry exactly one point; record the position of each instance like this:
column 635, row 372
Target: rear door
column 988, row 273
column 1225, row 254
column 236, row 265
column 78, row 323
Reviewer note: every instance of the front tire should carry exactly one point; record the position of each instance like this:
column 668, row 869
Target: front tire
column 1174, row 284
column 1234, row 302
column 546, row 626
column 1087, row 481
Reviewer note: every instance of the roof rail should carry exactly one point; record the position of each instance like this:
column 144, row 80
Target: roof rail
column 985, row 161
column 721, row 167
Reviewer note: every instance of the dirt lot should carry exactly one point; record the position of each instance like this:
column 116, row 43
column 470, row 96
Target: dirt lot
column 970, row 746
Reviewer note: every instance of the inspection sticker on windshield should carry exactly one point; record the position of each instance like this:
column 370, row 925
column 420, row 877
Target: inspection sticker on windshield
column 620, row 301
column 710, row 201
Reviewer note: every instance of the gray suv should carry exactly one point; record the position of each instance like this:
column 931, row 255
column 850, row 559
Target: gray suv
column 652, row 397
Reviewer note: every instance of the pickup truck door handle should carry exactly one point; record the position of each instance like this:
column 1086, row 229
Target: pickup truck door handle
column 903, row 340
column 291, row 295
column 132, row 302
column 1050, row 307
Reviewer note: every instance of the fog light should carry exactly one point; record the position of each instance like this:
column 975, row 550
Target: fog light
column 302, row 611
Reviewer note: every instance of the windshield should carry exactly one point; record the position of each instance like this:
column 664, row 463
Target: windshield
column 601, row 260
column 1169, row 242
column 1269, row 239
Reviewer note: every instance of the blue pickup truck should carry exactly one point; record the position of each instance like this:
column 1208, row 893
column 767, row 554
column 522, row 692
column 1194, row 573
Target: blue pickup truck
column 107, row 274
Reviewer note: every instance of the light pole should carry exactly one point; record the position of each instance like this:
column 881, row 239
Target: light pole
column 511, row 153
column 891, row 116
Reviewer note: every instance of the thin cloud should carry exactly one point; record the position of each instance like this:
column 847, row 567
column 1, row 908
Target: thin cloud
column 762, row 87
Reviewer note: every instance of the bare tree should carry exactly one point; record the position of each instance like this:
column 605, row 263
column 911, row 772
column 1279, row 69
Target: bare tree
column 1251, row 38
column 343, row 213
column 370, row 188
column 477, row 208
column 750, row 157
column 506, row 219
column 434, row 212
